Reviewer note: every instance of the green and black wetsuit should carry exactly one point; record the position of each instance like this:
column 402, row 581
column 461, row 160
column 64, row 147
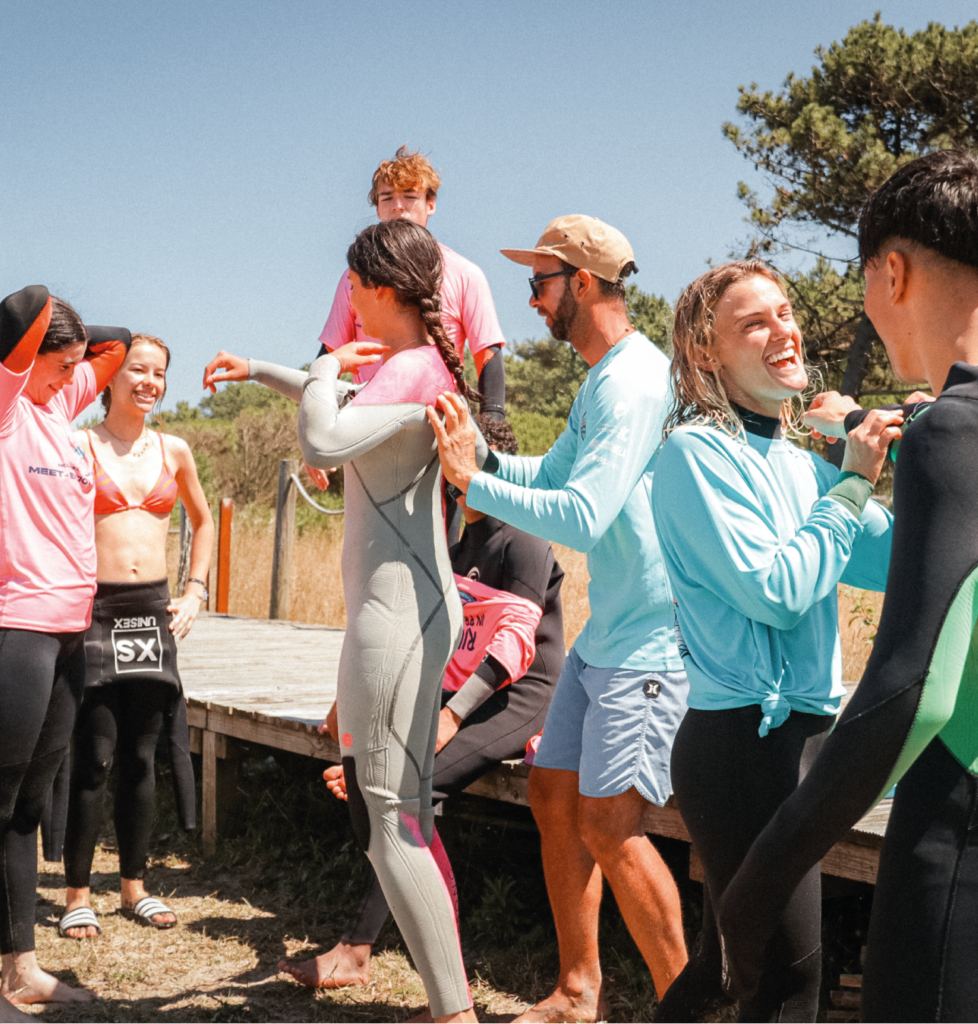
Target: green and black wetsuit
column 913, row 719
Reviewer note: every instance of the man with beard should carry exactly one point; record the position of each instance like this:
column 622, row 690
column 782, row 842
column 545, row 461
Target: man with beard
column 618, row 703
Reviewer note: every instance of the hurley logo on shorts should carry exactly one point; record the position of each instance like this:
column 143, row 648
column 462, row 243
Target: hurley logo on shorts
column 136, row 645
column 652, row 687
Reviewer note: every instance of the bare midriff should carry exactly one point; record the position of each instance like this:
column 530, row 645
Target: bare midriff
column 131, row 546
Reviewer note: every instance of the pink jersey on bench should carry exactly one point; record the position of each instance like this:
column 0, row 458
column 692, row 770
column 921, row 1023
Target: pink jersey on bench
column 497, row 623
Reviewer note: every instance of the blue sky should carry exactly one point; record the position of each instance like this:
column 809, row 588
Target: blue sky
column 196, row 170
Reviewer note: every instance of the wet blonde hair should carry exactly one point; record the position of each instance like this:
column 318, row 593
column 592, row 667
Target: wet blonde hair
column 699, row 394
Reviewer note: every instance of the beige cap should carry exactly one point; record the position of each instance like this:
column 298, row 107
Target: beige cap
column 584, row 242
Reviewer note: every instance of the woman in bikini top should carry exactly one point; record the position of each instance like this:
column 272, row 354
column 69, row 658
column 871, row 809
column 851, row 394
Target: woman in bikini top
column 132, row 686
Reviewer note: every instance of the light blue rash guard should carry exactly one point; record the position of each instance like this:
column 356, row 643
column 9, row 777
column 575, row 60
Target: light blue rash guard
column 754, row 550
column 591, row 492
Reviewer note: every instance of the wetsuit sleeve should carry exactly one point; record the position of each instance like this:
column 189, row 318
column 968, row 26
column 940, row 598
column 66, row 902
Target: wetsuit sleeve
column 854, row 418
column 106, row 352
column 330, row 436
column 576, row 491
column 738, row 554
column 24, row 320
column 492, row 384
column 282, row 379
column 479, row 687
column 908, row 694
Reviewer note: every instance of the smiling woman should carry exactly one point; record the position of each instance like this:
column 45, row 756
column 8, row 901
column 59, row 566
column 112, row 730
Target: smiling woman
column 132, row 686
column 756, row 533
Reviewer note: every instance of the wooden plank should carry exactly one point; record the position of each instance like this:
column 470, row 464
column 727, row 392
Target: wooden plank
column 851, row 860
column 271, row 682
column 209, row 787
column 295, row 737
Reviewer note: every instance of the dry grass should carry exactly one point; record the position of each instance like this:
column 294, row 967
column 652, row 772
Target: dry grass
column 859, row 616
column 317, row 590
column 285, row 880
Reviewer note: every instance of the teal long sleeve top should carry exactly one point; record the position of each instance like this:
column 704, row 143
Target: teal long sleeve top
column 754, row 545
column 591, row 492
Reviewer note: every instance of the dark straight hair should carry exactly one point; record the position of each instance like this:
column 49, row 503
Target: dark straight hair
column 402, row 255
column 66, row 328
column 932, row 201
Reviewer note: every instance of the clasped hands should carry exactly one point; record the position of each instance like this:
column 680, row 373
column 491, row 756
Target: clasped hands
column 869, row 443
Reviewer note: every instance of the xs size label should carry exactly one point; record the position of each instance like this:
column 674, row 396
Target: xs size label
column 137, row 650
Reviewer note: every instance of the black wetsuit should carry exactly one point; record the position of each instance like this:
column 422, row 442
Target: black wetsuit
column 505, row 558
column 913, row 719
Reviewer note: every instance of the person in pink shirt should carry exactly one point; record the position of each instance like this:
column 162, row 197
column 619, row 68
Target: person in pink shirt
column 51, row 368
column 406, row 188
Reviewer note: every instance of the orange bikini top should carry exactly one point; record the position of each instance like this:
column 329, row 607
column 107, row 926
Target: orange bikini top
column 109, row 499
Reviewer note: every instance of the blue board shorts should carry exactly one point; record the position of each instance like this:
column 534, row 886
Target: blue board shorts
column 615, row 727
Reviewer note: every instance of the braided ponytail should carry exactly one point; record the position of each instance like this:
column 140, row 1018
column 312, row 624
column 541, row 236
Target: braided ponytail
column 402, row 255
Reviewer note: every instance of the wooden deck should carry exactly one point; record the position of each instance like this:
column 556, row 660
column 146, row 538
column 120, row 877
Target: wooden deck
column 272, row 682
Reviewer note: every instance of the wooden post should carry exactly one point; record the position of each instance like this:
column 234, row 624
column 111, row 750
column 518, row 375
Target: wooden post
column 183, row 566
column 284, row 540
column 224, row 556
column 209, row 792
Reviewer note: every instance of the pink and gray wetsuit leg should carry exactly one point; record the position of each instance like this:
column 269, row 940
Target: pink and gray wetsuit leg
column 404, row 620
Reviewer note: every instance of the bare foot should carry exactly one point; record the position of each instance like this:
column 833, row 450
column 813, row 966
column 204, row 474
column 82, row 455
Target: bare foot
column 424, row 1017
column 75, row 898
column 561, row 1006
column 132, row 890
column 462, row 1017
column 23, row 983
column 343, row 965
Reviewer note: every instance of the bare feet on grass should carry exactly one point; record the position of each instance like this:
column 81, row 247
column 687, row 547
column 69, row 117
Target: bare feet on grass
column 343, row 965
column 75, row 898
column 132, row 891
column 424, row 1017
column 588, row 1004
column 23, row 982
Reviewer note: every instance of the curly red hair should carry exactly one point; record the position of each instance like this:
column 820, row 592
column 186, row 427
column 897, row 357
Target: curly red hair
column 407, row 172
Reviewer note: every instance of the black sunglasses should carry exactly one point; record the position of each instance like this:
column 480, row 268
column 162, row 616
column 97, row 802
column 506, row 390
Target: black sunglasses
column 534, row 281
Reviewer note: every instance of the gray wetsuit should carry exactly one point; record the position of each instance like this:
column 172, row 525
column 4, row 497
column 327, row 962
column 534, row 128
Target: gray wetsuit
column 404, row 619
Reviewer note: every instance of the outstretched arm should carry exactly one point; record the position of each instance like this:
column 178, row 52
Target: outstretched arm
column 907, row 695
column 330, row 436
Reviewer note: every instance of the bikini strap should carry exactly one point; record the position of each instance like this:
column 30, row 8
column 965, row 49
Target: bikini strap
column 163, row 453
column 91, row 446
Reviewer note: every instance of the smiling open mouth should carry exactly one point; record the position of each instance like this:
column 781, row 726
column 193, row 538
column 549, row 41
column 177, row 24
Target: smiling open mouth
column 783, row 359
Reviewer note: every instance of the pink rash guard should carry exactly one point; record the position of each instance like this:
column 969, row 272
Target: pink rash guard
column 47, row 494
column 414, row 375
column 468, row 312
column 497, row 623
